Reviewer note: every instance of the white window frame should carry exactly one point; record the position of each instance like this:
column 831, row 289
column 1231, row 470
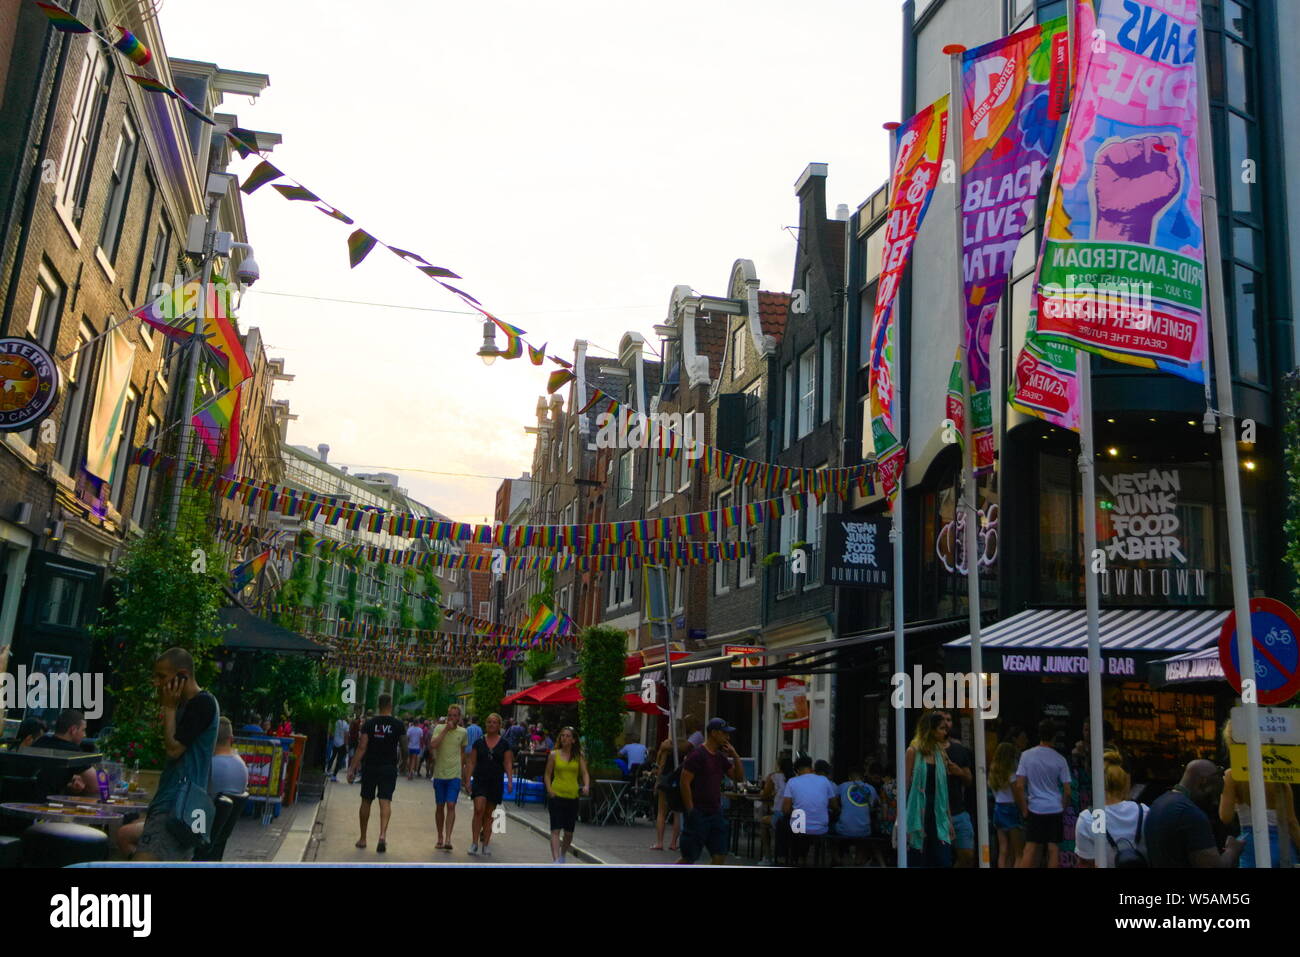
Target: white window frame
column 807, row 399
column 828, row 359
column 122, row 454
column 721, row 569
column 74, row 402
column 78, row 148
column 627, row 588
column 788, row 406
column 144, row 475
column 738, row 351
column 573, row 444
column 626, row 477
column 684, row 480
column 652, row 492
column 679, row 590
column 746, row 534
column 119, row 189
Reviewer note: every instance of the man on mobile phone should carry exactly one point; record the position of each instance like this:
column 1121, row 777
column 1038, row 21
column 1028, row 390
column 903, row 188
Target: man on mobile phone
column 702, row 775
column 447, row 747
column 190, row 719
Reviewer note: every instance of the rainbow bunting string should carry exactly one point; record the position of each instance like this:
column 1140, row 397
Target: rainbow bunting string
column 130, row 47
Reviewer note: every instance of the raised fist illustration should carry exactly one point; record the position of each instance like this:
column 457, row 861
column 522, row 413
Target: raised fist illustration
column 1134, row 181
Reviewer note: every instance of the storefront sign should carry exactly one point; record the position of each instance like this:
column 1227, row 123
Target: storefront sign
column 1145, row 524
column 1058, row 664
column 747, row 656
column 1193, row 669
column 264, row 761
column 859, row 553
column 29, row 383
column 793, row 695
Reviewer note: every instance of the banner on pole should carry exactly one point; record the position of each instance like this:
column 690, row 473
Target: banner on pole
column 1122, row 272
column 106, row 417
column 1013, row 91
column 1046, row 383
column 921, row 142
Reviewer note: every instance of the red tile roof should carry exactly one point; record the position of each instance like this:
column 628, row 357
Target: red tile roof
column 773, row 307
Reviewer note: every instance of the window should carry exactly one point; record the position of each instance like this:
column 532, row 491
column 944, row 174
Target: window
column 789, row 525
column 721, row 569
column 753, row 412
column 83, row 131
column 625, row 477
column 47, row 305
column 74, row 404
column 787, row 406
column 158, row 262
column 685, row 480
column 813, row 537
column 117, row 484
column 573, row 444
column 679, row 595
column 655, row 468
column 827, row 367
column 64, row 597
column 748, row 535
column 738, row 351
column 484, row 609
column 119, row 190
column 615, row 586
column 140, row 508
column 627, row 586
column 807, row 391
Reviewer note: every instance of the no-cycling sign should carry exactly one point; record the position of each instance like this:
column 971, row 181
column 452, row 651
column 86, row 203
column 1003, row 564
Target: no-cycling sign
column 1275, row 633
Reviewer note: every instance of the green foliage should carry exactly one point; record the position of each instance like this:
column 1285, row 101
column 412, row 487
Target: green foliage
column 546, row 596
column 272, row 685
column 430, row 612
column 600, row 659
column 1291, row 470
column 537, row 662
column 437, row 693
column 489, row 688
column 163, row 602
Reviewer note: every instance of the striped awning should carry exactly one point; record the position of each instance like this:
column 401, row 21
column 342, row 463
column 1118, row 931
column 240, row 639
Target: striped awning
column 1164, row 631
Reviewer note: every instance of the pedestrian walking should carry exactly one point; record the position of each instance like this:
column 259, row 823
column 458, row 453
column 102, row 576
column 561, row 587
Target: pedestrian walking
column 414, row 745
column 339, row 755
column 1008, row 824
column 961, row 781
column 562, row 768
column 1124, row 820
column 929, row 826
column 354, row 737
column 1177, row 830
column 701, row 788
column 490, row 767
column 380, row 739
column 668, row 791
column 1042, row 803
column 450, row 773
column 474, row 732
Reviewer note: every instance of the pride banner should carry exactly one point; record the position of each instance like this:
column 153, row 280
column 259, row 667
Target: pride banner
column 1046, row 383
column 1014, row 92
column 1122, row 273
column 921, row 142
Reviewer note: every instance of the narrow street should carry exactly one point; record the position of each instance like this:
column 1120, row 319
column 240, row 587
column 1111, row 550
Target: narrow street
column 412, row 832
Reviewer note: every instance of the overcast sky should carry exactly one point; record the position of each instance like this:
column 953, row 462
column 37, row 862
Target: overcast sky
column 571, row 161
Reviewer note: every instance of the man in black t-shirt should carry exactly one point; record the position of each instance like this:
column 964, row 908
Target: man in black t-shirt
column 961, row 781
column 381, row 737
column 69, row 732
column 1178, row 832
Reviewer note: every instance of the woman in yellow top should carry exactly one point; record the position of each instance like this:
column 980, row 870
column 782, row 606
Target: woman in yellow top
column 562, row 767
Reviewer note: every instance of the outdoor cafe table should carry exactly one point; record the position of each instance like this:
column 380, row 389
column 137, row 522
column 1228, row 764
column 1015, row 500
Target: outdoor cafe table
column 114, row 802
column 98, row 816
column 611, row 799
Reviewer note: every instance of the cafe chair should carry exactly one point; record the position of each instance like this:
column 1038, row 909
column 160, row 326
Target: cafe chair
column 51, row 844
column 229, row 807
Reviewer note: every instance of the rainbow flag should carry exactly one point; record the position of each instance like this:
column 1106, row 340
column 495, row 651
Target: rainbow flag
column 62, row 20
column 246, row 573
column 514, row 340
column 359, row 245
column 130, row 47
column 262, row 174
column 338, row 214
column 537, row 356
column 152, row 84
column 297, row 193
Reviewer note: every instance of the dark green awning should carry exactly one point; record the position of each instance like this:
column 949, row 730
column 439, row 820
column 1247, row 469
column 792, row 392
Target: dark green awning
column 252, row 633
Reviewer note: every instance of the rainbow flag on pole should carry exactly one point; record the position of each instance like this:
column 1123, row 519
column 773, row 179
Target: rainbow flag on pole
column 246, row 573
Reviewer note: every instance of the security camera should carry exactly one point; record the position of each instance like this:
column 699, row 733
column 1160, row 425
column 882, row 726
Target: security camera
column 247, row 272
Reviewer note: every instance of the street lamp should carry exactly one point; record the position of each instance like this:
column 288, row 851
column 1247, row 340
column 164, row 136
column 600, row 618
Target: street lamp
column 488, row 352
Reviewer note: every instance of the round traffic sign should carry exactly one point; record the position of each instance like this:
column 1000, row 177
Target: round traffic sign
column 1275, row 634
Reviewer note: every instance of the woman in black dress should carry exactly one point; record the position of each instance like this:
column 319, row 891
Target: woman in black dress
column 491, row 767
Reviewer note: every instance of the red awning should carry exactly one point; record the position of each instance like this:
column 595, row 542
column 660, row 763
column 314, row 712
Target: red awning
column 569, row 691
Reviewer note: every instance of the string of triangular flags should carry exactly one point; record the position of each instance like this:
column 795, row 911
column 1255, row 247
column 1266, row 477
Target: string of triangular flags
column 313, row 507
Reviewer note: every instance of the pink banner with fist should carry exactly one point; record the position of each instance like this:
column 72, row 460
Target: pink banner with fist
column 1122, row 272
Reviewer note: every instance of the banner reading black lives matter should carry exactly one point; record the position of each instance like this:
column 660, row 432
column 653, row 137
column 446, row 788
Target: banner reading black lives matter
column 858, row 552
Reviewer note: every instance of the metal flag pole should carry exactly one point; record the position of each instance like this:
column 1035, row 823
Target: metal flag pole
column 1217, row 318
column 970, row 494
column 900, row 663
column 1091, row 596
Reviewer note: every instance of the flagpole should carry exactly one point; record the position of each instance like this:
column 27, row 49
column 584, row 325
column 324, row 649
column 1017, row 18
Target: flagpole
column 900, row 662
column 1216, row 317
column 970, row 493
column 1091, row 596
